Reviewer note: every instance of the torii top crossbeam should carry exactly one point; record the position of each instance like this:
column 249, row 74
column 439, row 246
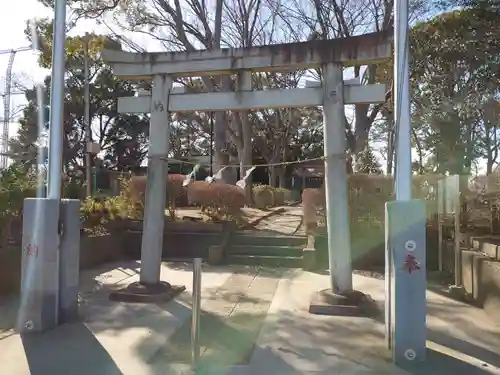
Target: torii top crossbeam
column 356, row 50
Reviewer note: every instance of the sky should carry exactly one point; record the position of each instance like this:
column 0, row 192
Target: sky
column 12, row 24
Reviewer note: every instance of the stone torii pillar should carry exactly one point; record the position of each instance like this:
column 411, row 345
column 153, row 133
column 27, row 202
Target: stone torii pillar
column 337, row 206
column 156, row 186
column 150, row 288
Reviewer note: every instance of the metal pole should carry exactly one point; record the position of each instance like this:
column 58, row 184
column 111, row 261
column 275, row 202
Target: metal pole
column 211, row 142
column 440, row 217
column 402, row 126
column 57, row 100
column 88, row 160
column 40, row 117
column 402, row 101
column 458, row 253
column 195, row 320
column 40, row 150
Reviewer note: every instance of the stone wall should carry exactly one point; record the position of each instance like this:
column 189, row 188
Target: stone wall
column 93, row 252
column 182, row 240
column 481, row 280
column 10, row 270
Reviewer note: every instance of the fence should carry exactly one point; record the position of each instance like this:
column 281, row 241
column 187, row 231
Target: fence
column 466, row 207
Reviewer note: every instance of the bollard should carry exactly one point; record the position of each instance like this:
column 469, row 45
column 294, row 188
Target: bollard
column 195, row 320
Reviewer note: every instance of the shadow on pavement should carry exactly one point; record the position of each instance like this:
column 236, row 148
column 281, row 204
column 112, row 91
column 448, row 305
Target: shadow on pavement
column 68, row 349
column 438, row 363
column 471, row 350
column 483, row 357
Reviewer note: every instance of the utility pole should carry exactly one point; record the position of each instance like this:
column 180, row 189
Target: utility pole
column 56, row 130
column 88, row 128
column 405, row 222
column 211, row 142
column 402, row 120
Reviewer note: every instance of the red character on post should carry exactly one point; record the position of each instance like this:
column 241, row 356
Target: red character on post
column 32, row 250
column 411, row 264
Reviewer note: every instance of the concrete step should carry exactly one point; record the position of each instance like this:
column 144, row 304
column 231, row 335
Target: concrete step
column 488, row 246
column 267, row 239
column 264, row 260
column 281, row 251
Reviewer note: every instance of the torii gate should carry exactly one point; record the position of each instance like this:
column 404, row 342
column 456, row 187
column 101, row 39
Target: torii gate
column 329, row 55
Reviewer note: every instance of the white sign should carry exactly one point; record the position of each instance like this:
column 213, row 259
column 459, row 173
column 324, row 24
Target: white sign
column 410, row 354
column 410, row 245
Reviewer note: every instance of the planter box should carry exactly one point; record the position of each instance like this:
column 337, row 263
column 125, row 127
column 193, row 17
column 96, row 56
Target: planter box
column 490, row 288
column 188, row 226
column 179, row 226
column 181, row 239
column 10, row 270
column 96, row 250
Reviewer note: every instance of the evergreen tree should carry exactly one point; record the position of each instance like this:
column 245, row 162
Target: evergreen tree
column 366, row 162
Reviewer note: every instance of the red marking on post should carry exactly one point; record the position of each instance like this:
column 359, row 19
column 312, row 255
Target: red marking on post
column 411, row 264
column 32, row 250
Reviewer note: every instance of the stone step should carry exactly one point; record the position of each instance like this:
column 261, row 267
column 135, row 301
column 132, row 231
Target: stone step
column 270, row 239
column 282, row 251
column 265, row 260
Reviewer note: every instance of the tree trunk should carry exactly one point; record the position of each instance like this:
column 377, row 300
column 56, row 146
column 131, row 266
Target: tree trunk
column 390, row 143
column 272, row 175
column 221, row 142
column 282, row 168
column 489, row 150
column 282, row 177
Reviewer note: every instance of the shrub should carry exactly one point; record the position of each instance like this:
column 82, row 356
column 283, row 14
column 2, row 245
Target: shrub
column 312, row 200
column 288, row 195
column 267, row 196
column 93, row 214
column 136, row 190
column 217, row 199
column 98, row 213
column 15, row 186
column 263, row 196
column 130, row 206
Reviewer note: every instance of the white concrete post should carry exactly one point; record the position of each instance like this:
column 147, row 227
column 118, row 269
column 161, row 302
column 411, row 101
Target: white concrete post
column 154, row 213
column 337, row 206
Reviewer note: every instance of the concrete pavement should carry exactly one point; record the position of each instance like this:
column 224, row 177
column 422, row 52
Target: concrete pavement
column 119, row 338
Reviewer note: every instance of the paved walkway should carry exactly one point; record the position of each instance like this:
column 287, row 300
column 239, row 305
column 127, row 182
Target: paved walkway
column 288, row 222
column 255, row 321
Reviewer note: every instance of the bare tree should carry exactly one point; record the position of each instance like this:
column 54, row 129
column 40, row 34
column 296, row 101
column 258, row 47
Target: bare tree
column 275, row 128
column 345, row 18
column 196, row 24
